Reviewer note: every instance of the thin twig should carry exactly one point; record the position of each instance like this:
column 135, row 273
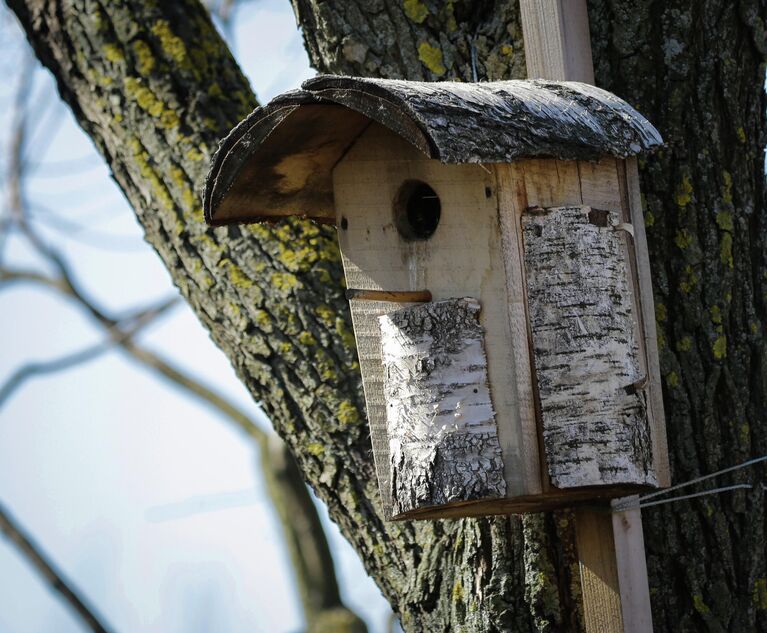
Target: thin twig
column 116, row 336
column 34, row 554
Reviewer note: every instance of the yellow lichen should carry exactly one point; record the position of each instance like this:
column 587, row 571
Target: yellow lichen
column 415, row 10
column 237, row 276
column 113, row 54
column 760, row 594
column 689, row 281
column 720, row 347
column 649, row 219
column 716, row 314
column 724, row 220
column 263, row 321
column 683, row 239
column 725, row 250
column 700, row 606
column 325, row 314
column 741, row 135
column 284, row 282
column 684, row 192
column 194, row 154
column 347, row 413
column 148, row 101
column 727, row 187
column 744, row 433
column 431, row 56
column 172, row 45
column 305, row 338
column 458, row 591
column 316, row 449
column 684, row 345
column 347, row 336
column 141, row 158
column 661, row 314
column 672, row 379
column 145, row 61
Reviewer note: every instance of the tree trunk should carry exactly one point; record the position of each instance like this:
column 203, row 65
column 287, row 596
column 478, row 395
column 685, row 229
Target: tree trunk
column 154, row 86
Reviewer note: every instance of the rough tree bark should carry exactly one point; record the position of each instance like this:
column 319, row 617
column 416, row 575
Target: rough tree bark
column 154, row 86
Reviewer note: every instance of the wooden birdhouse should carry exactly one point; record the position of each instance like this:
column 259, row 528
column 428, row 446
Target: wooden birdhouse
column 498, row 277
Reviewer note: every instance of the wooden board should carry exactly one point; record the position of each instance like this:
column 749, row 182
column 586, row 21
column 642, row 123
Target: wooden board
column 631, row 566
column 604, row 184
column 462, row 259
column 557, row 43
column 600, row 585
column 632, row 206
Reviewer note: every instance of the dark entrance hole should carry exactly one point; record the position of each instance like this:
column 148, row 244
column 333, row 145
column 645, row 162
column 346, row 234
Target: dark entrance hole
column 417, row 210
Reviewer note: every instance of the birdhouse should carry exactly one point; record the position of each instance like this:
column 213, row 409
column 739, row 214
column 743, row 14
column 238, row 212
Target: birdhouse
column 497, row 272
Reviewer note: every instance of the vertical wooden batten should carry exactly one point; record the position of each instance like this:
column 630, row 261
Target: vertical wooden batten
column 613, row 578
column 556, row 36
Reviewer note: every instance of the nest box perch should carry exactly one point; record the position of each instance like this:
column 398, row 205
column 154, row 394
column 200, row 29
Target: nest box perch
column 494, row 249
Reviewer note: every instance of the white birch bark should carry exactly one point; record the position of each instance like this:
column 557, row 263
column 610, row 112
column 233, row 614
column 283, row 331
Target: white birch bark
column 595, row 427
column 443, row 439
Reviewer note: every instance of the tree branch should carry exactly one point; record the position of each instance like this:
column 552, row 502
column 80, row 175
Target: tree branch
column 43, row 566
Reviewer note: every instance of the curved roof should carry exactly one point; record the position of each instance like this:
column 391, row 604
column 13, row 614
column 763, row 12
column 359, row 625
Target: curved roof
column 279, row 160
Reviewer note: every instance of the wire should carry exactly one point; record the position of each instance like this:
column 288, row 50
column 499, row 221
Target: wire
column 652, row 495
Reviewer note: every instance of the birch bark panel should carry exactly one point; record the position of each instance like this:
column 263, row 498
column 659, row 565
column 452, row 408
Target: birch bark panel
column 462, row 259
column 443, row 438
column 595, row 427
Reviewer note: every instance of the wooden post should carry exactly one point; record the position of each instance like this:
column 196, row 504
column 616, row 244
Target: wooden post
column 616, row 597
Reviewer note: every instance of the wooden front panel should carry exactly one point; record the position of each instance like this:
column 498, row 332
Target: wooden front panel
column 462, row 259
column 601, row 185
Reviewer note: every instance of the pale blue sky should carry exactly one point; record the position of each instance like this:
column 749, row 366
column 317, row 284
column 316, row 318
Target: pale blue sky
column 149, row 502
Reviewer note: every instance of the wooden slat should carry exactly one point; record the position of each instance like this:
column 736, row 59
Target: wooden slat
column 396, row 296
column 632, row 567
column 633, row 202
column 599, row 572
column 512, row 201
column 557, row 43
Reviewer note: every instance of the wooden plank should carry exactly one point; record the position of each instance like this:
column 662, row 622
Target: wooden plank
column 599, row 572
column 365, row 315
column 551, row 183
column 443, row 436
column 599, row 183
column 462, row 259
column 396, row 296
column 512, row 201
column 633, row 203
column 631, row 566
column 557, row 42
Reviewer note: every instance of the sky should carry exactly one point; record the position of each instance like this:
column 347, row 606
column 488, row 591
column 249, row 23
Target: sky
column 151, row 504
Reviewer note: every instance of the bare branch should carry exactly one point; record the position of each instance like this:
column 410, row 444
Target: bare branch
column 11, row 276
column 117, row 336
column 43, row 566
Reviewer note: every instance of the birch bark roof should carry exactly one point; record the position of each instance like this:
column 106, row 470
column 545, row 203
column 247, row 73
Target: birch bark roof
column 279, row 160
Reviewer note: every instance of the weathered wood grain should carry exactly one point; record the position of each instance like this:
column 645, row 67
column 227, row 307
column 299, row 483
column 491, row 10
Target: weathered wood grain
column 556, row 36
column 443, row 437
column 595, row 427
